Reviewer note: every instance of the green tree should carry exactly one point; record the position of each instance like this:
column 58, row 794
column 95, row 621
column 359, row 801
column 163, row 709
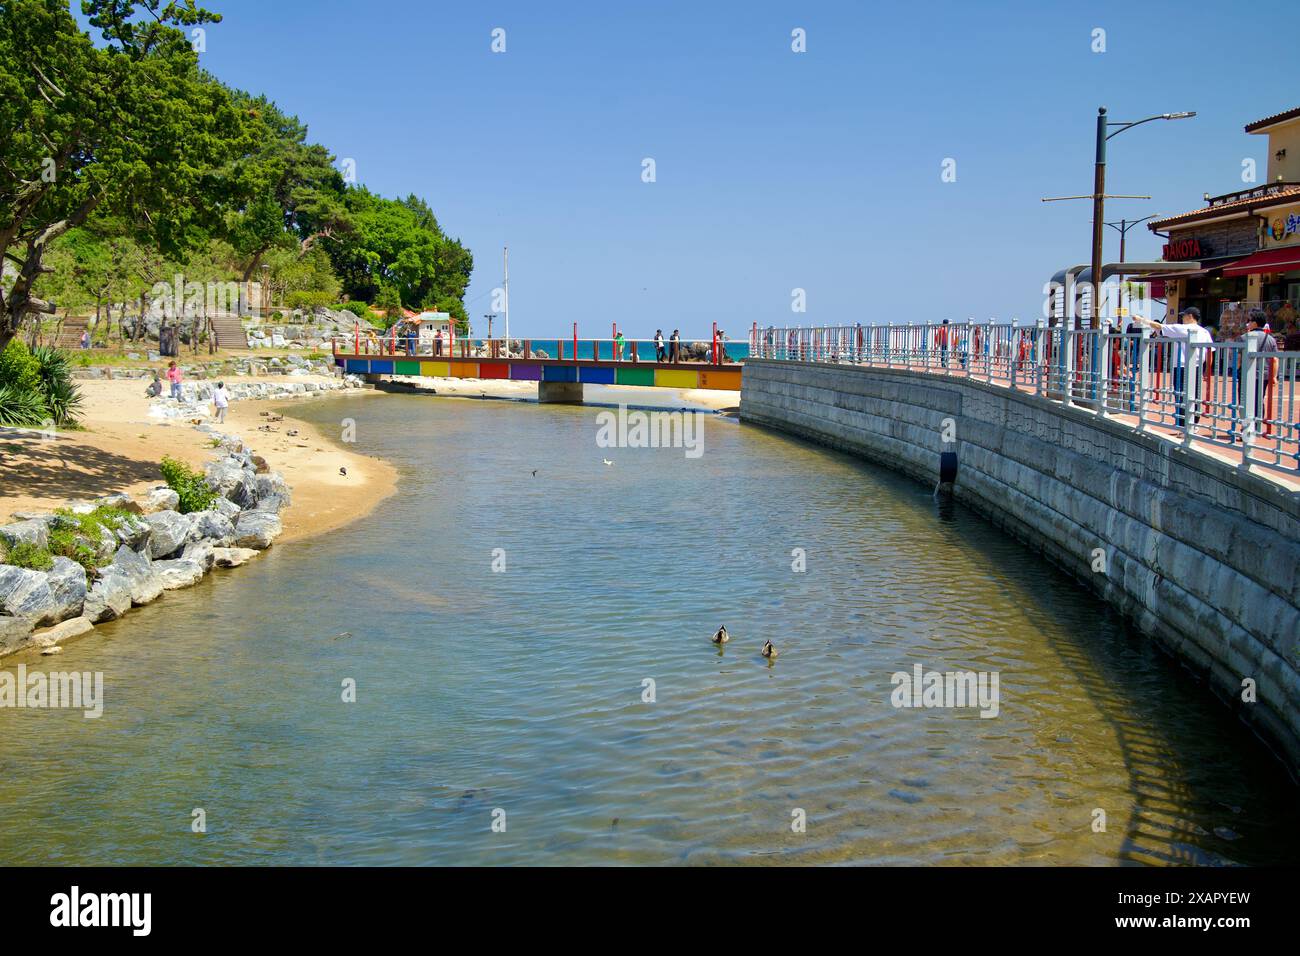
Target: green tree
column 131, row 128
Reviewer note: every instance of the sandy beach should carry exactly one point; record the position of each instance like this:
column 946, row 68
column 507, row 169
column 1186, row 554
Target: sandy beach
column 119, row 445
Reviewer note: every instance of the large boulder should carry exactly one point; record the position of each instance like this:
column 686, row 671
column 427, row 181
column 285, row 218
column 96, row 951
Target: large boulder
column 119, row 500
column 272, row 483
column 35, row 532
column 135, row 533
column 14, row 633
column 109, row 597
column 211, row 526
column 229, row 478
column 226, row 507
column 170, row 529
column 138, row 570
column 67, row 580
column 202, row 552
column 160, row 499
column 43, row 597
column 181, row 573
column 257, row 529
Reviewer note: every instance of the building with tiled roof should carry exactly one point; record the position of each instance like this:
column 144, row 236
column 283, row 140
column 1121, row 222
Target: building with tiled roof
column 1246, row 241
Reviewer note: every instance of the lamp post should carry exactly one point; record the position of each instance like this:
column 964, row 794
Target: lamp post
column 1099, row 194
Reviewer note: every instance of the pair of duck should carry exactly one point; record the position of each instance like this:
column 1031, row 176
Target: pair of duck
column 720, row 637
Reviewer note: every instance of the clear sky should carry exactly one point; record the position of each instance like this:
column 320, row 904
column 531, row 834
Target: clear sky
column 775, row 170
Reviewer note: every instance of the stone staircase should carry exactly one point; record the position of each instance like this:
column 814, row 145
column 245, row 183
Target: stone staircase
column 229, row 332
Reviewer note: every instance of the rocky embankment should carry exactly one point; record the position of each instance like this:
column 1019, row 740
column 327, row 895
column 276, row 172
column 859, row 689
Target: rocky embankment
column 132, row 550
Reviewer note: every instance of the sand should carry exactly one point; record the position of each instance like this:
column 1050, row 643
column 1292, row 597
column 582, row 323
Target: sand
column 119, row 446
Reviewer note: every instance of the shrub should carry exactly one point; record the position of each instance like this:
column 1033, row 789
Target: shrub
column 30, row 556
column 21, row 408
column 194, row 492
column 19, row 368
column 307, row 299
column 62, row 394
column 359, row 309
column 69, row 544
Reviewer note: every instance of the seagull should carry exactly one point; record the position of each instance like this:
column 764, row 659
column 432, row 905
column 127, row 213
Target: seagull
column 343, row 472
column 607, row 461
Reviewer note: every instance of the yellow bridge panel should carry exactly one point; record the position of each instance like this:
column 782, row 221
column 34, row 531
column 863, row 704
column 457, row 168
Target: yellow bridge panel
column 676, row 378
column 436, row 369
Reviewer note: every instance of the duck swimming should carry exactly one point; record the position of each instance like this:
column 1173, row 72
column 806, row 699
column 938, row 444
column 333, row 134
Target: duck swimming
column 720, row 636
column 769, row 650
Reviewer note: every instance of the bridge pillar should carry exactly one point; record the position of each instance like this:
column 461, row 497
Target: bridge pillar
column 566, row 392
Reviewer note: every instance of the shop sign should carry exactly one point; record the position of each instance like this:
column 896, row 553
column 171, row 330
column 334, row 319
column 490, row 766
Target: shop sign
column 1280, row 228
column 1177, row 250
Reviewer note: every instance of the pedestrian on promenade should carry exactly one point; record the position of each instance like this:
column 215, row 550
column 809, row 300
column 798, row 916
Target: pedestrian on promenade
column 659, row 345
column 1265, row 371
column 674, row 347
column 1185, row 333
column 221, row 399
column 174, row 376
column 941, row 342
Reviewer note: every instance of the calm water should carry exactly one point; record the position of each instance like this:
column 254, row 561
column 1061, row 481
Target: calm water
column 522, row 690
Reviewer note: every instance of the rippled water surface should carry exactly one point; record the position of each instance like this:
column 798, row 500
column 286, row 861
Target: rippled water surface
column 522, row 690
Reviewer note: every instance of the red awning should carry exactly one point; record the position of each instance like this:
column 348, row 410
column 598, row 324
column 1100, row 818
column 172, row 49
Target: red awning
column 1224, row 263
column 1270, row 260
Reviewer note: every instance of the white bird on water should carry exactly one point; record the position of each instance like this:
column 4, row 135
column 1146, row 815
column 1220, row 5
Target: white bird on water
column 607, row 461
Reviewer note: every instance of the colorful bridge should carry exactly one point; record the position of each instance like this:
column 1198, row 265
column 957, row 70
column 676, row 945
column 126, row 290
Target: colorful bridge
column 560, row 367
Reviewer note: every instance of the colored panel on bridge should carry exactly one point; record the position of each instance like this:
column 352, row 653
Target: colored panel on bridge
column 597, row 376
column 559, row 373
column 634, row 376
column 728, row 380
column 406, row 368
column 464, row 369
column 526, row 373
column 358, row 366
column 493, row 370
column 675, row 378
column 436, row 369
column 381, row 367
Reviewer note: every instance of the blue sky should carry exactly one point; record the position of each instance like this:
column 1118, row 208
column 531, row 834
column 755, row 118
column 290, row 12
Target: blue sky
column 775, row 170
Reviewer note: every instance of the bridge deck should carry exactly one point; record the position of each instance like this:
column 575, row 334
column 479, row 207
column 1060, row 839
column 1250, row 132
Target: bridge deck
column 533, row 369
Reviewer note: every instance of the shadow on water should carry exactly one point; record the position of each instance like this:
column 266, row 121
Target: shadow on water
column 1163, row 781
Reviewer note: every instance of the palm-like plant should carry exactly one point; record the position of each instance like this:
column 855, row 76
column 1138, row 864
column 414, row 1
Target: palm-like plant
column 21, row 408
column 61, row 394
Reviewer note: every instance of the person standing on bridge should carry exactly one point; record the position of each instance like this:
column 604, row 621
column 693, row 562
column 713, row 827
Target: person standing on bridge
column 618, row 346
column 437, row 342
column 659, row 345
column 674, row 347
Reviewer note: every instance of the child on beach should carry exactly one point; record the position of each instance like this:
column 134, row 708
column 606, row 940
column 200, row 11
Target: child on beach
column 174, row 376
column 221, row 399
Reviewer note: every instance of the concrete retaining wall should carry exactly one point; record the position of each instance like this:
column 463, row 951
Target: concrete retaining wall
column 1204, row 557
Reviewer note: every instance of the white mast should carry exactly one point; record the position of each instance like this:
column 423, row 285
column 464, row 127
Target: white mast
column 506, row 255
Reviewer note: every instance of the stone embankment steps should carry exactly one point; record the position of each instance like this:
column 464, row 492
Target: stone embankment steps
column 1204, row 557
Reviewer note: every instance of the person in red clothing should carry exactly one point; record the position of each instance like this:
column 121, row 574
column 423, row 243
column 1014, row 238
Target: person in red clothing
column 174, row 376
column 941, row 342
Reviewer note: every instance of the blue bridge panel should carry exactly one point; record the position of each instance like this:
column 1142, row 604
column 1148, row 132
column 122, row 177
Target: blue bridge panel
column 559, row 373
column 598, row 376
column 358, row 366
column 381, row 368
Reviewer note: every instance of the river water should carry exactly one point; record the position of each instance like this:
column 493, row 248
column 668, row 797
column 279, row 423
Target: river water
column 517, row 695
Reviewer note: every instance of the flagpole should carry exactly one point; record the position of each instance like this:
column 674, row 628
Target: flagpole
column 506, row 255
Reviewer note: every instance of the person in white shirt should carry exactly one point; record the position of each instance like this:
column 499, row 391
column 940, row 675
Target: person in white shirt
column 1188, row 330
column 221, row 399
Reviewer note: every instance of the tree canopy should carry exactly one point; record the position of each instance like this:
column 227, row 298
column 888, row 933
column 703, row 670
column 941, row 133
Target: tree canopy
column 123, row 159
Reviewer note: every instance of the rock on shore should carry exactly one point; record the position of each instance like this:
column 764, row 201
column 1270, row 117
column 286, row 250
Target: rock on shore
column 138, row 556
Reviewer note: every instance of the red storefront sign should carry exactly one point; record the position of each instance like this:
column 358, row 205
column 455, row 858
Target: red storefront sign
column 1180, row 249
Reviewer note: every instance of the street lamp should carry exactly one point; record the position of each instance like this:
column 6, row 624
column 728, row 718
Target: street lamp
column 1099, row 194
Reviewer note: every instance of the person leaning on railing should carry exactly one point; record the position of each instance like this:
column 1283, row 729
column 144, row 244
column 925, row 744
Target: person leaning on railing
column 1188, row 332
column 1256, row 321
